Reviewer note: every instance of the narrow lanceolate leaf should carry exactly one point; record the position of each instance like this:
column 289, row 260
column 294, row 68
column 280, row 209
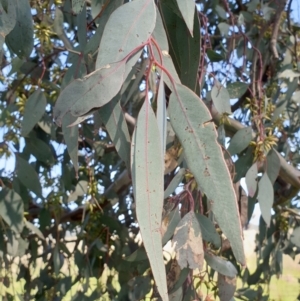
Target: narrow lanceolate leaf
column 34, row 229
column 71, row 138
column 251, row 180
column 187, row 9
column 226, row 286
column 34, row 111
column 128, row 27
column 113, row 118
column 160, row 36
column 273, row 165
column 295, row 237
column 175, row 182
column 208, row 230
column 265, row 197
column 77, row 6
column 20, row 39
column 188, row 240
column 190, row 120
column 189, row 53
column 147, row 176
column 220, row 265
column 8, row 20
column 93, row 91
column 12, row 209
column 161, row 114
column 240, row 140
column 221, row 98
column 28, row 176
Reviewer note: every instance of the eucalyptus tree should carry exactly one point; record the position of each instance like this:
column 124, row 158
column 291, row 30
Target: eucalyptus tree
column 127, row 127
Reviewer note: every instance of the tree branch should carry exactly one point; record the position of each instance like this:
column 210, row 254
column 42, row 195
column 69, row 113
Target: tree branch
column 287, row 172
column 276, row 26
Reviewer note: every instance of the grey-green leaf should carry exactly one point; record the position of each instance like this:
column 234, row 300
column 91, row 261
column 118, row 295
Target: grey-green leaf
column 40, row 150
column 129, row 26
column 226, row 286
column 113, row 118
column 251, row 182
column 34, row 111
column 295, row 237
column 28, row 176
column 20, row 39
column 220, row 265
column 7, row 20
column 187, row 10
column 147, row 176
column 188, row 240
column 190, row 120
column 265, row 197
column 240, row 140
column 96, row 89
column 71, row 138
column 80, row 189
column 34, row 229
column 161, row 114
column 175, row 182
column 237, row 89
column 221, row 99
column 273, row 165
column 208, row 230
column 77, row 6
column 12, row 209
column 173, row 218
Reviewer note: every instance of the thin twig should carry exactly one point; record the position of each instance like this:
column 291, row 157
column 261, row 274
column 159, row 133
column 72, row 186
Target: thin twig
column 276, row 26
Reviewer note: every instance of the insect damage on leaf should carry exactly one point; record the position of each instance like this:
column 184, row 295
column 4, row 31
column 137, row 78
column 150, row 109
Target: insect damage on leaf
column 188, row 240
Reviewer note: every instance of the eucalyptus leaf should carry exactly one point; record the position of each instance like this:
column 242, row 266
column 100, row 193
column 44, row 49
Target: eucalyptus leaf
column 121, row 38
column 221, row 99
column 220, row 265
column 240, row 140
column 12, row 209
column 265, row 197
column 237, row 89
column 34, row 110
column 20, row 39
column 190, row 120
column 147, row 176
column 28, row 176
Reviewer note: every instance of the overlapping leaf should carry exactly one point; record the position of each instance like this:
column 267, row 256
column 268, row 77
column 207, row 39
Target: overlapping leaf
column 265, row 197
column 175, row 182
column 208, row 230
column 34, row 110
column 251, row 180
column 20, row 39
column 147, row 175
column 273, row 165
column 227, row 286
column 71, row 138
column 7, row 20
column 93, row 91
column 113, row 118
column 221, row 98
column 188, row 240
column 28, row 176
column 240, row 140
column 220, row 265
column 161, row 114
column 190, row 119
column 128, row 27
column 12, row 209
column 187, row 9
